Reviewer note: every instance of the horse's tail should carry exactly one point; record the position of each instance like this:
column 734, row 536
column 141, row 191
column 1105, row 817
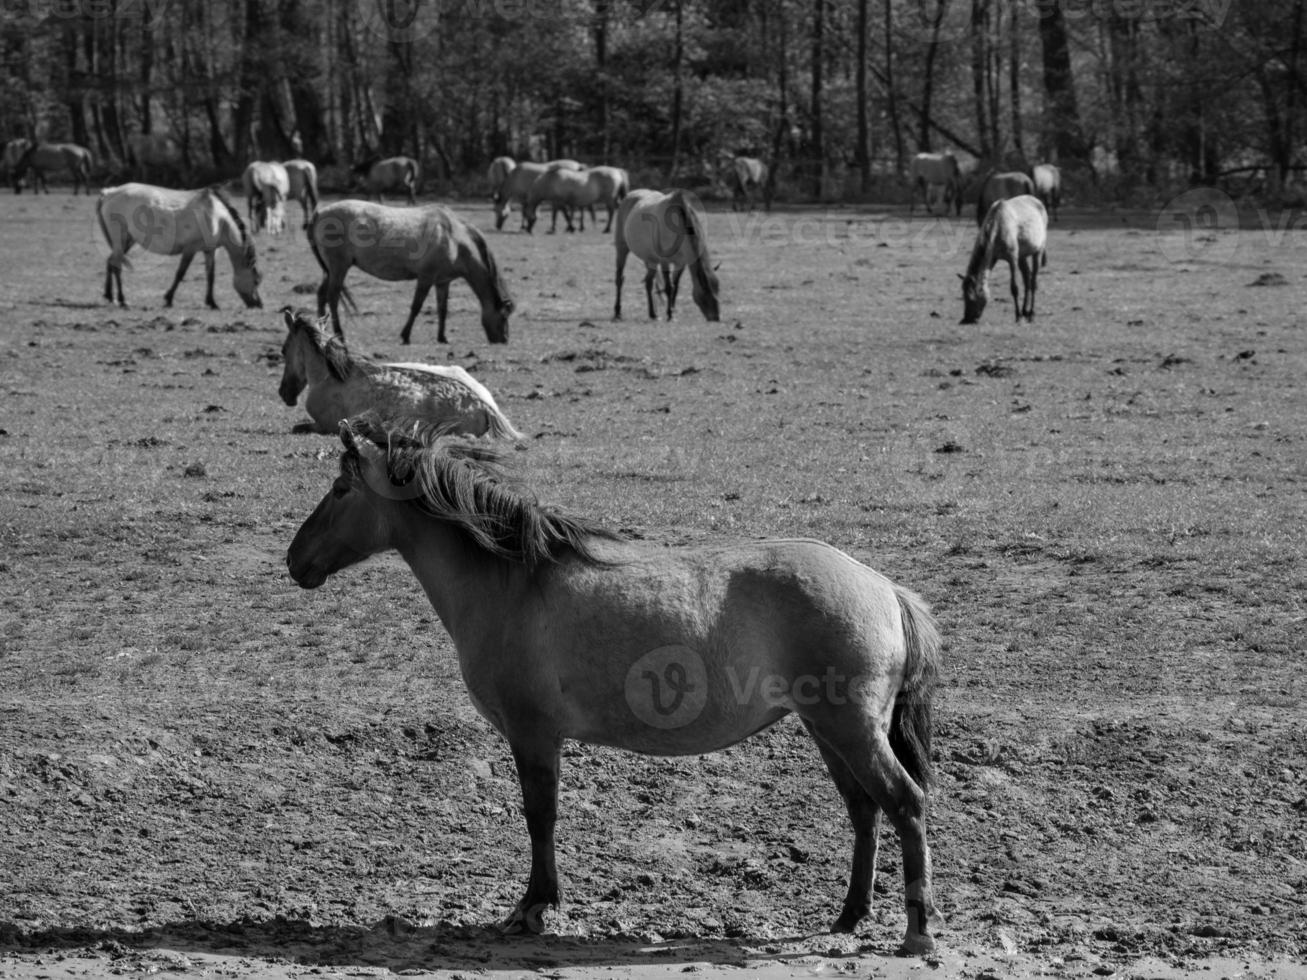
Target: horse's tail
column 911, row 722
column 623, row 186
column 497, row 425
column 311, row 230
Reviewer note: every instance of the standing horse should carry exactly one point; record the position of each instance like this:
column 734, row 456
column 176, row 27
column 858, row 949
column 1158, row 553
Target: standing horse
column 430, row 244
column 746, row 175
column 341, row 385
column 169, row 222
column 930, row 170
column 1016, row 231
column 1048, row 186
column 46, row 158
column 1000, row 187
column 391, row 174
column 154, row 157
column 666, row 232
column 515, row 184
column 303, row 185
column 564, row 630
column 13, row 152
column 569, row 190
column 267, row 187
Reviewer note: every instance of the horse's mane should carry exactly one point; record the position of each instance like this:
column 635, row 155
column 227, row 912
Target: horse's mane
column 503, row 298
column 466, row 484
column 225, row 201
column 340, row 362
column 701, row 268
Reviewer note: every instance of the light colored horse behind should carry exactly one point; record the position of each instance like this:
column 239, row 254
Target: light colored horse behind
column 576, row 190
column 169, row 222
column 430, row 244
column 13, row 152
column 154, row 157
column 391, row 174
column 666, row 232
column 267, row 188
column 1001, row 187
column 46, row 158
column 303, row 185
column 747, row 175
column 1048, row 186
column 1016, row 231
column 930, row 170
column 515, row 181
column 341, row 385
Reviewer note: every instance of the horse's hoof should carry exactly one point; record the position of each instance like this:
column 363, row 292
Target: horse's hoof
column 845, row 924
column 528, row 922
column 917, row 944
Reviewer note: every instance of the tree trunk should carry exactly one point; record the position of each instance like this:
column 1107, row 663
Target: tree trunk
column 147, row 65
column 250, row 81
column 979, row 70
column 1061, row 114
column 1014, row 73
column 928, row 72
column 678, row 96
column 783, row 107
column 891, row 89
column 861, row 155
column 602, row 10
column 399, row 102
column 816, row 146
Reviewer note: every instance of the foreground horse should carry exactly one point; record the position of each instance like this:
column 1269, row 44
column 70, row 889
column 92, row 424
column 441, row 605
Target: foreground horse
column 267, row 188
column 1048, row 186
column 46, row 158
column 1001, row 187
column 566, row 631
column 515, row 182
column 576, row 190
column 341, row 385
column 1016, row 231
column 747, row 175
column 398, row 174
column 303, row 185
column 930, row 170
column 184, row 223
column 665, row 231
column 430, row 244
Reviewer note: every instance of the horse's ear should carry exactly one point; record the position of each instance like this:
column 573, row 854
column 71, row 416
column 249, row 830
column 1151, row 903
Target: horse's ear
column 322, row 322
column 962, row 277
column 716, row 267
column 288, row 314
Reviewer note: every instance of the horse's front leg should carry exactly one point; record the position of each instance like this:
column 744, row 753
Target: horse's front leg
column 537, row 771
column 420, row 297
column 182, row 266
column 622, row 252
column 442, row 310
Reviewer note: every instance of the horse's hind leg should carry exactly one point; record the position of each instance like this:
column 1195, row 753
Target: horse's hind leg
column 865, row 751
column 672, row 281
column 1030, row 273
column 209, row 263
column 622, row 252
column 182, row 266
column 537, row 771
column 649, row 273
column 865, row 816
column 1016, row 296
column 420, row 297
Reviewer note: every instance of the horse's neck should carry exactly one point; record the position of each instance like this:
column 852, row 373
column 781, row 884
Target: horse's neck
column 478, row 275
column 466, row 587
column 315, row 364
column 982, row 256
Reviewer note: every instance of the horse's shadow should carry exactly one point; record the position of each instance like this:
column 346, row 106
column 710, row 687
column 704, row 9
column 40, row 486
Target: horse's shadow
column 398, row 945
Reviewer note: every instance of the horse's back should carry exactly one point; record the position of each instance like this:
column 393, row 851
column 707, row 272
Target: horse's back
column 301, row 173
column 649, row 229
column 560, row 185
column 1022, row 223
column 388, row 242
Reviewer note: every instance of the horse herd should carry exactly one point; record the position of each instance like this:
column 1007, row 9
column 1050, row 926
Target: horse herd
column 564, row 628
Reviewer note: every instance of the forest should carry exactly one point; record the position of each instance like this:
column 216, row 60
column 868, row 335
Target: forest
column 1132, row 98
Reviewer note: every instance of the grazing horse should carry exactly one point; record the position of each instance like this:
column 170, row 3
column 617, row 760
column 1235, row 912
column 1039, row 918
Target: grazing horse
column 391, row 174
column 1048, row 186
column 666, row 232
column 169, row 222
column 564, row 630
column 1000, row 187
column 44, row 158
column 1016, row 231
column 746, row 175
column 515, row 184
column 13, row 152
column 341, row 384
column 930, row 170
column 267, row 187
column 303, row 185
column 430, row 244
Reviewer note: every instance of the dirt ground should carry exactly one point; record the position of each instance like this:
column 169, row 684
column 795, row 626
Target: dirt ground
column 205, row 771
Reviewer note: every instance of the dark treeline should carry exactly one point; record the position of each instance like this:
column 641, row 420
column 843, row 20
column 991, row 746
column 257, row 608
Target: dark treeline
column 1134, row 95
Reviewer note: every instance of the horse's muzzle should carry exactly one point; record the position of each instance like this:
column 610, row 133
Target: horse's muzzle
column 305, row 578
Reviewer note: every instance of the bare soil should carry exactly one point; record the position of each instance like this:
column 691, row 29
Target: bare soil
column 205, row 771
